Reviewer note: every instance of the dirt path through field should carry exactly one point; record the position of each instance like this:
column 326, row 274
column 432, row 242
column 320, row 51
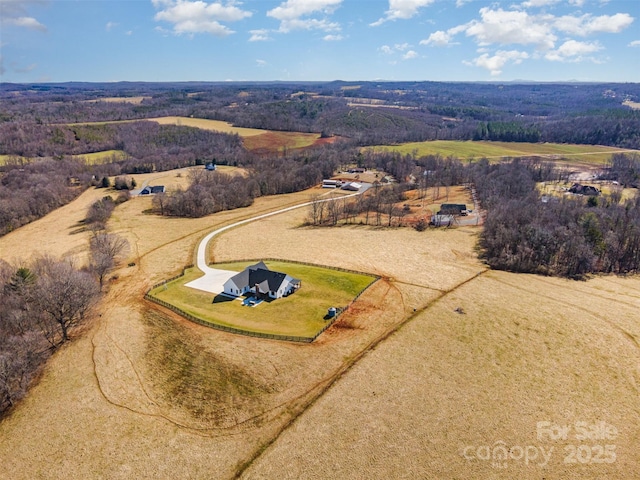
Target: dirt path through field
column 147, row 394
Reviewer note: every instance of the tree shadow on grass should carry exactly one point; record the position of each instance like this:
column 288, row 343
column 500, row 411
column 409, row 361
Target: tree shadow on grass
column 222, row 298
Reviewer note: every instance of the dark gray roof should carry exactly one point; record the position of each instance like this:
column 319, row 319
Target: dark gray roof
column 259, row 274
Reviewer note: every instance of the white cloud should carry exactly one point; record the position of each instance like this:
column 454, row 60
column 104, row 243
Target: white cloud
column 291, row 13
column 333, row 38
column 261, row 63
column 409, row 55
column 14, row 12
column 129, row 33
column 537, row 34
column 547, row 3
column 399, row 48
column 402, row 10
column 588, row 25
column 538, row 3
column 573, row 51
column 110, row 25
column 437, row 39
column 635, row 43
column 261, row 35
column 495, row 63
column 511, row 27
column 26, row 22
column 197, row 16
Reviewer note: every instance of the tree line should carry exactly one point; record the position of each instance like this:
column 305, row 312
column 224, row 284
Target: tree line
column 572, row 236
column 411, row 111
column 212, row 191
column 45, row 300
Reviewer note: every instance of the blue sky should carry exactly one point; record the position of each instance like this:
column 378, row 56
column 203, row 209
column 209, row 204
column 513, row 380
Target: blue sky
column 263, row 40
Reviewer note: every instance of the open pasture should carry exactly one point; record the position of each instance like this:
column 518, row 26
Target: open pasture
column 213, row 125
column 477, row 360
column 261, row 141
column 13, row 160
column 588, row 154
column 525, row 349
column 280, row 141
column 631, row 104
column 300, row 314
column 99, row 158
column 131, row 100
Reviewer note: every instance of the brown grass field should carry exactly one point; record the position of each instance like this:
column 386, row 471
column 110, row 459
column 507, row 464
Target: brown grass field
column 397, row 388
column 132, row 100
column 260, row 141
column 214, row 125
column 632, row 105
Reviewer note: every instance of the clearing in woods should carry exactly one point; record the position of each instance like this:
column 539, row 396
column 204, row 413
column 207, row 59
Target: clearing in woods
column 438, row 355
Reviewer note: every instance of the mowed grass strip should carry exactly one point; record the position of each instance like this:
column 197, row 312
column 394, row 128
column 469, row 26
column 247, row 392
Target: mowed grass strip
column 594, row 154
column 300, row 314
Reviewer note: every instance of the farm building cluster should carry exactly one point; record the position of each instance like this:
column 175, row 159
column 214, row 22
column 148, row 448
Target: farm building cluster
column 350, row 186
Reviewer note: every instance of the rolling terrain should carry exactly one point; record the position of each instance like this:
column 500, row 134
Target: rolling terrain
column 439, row 355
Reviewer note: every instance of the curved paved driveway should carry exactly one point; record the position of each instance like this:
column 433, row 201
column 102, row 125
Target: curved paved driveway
column 213, row 279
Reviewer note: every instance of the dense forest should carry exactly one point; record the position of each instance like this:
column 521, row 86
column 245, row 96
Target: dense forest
column 404, row 111
column 45, row 122
column 570, row 236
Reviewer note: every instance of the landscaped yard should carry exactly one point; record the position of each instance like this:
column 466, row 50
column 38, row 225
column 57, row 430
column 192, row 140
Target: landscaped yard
column 301, row 314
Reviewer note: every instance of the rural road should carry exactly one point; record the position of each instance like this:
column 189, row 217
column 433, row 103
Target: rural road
column 213, row 279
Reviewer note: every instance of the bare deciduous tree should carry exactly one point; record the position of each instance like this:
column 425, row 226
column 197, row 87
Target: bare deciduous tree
column 106, row 249
column 63, row 296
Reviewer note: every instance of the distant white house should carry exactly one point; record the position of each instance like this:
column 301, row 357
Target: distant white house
column 260, row 280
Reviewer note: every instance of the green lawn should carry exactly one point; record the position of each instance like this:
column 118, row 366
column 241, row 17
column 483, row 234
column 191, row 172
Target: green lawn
column 592, row 154
column 301, row 314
